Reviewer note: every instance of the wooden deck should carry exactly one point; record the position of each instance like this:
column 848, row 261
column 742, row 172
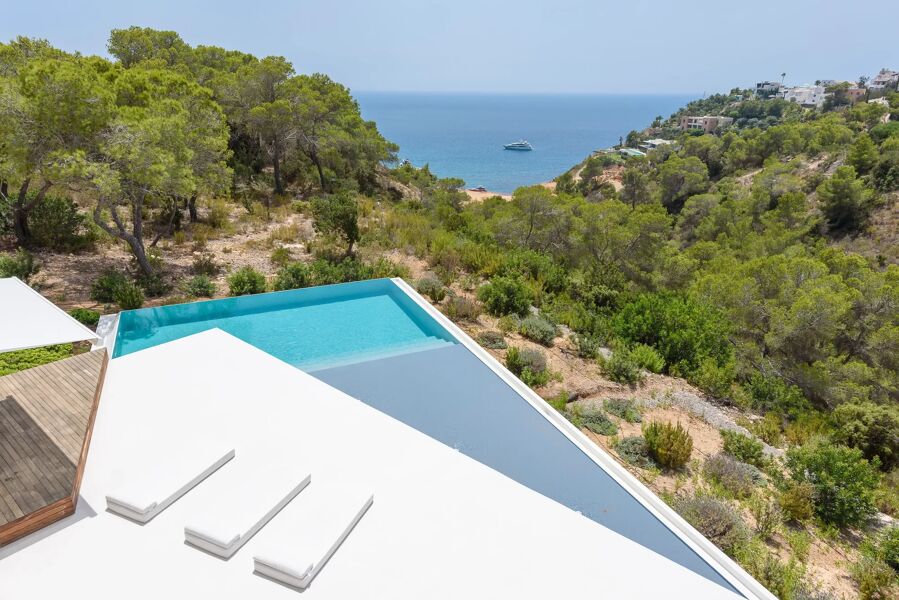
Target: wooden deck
column 46, row 417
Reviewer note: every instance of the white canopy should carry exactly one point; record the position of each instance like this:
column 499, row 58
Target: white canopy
column 28, row 320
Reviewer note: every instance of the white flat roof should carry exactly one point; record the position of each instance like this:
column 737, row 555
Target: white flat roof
column 28, row 320
column 442, row 525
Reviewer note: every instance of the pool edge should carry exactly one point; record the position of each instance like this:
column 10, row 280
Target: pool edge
column 732, row 572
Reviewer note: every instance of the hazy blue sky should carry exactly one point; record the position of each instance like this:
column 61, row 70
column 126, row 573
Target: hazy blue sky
column 508, row 45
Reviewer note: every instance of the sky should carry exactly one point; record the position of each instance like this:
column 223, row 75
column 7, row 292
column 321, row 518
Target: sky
column 548, row 46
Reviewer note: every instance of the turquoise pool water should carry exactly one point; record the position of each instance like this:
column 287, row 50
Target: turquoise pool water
column 311, row 328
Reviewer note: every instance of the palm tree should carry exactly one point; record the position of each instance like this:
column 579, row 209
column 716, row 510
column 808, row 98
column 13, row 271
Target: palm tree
column 782, row 77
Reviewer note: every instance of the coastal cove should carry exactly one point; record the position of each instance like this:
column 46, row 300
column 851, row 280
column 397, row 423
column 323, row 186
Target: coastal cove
column 462, row 135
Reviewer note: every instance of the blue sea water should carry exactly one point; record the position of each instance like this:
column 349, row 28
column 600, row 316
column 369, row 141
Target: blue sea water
column 462, row 135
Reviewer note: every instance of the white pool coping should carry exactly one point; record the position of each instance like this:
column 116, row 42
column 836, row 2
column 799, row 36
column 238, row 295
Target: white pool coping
column 709, row 552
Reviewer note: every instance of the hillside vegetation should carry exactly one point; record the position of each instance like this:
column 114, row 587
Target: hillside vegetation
column 722, row 315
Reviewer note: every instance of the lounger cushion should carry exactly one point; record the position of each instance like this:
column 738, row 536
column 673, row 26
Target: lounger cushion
column 309, row 532
column 152, row 485
column 239, row 503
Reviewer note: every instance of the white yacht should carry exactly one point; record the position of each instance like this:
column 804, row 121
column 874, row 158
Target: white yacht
column 519, row 145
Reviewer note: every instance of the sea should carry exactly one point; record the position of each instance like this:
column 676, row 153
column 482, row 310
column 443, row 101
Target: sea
column 462, row 135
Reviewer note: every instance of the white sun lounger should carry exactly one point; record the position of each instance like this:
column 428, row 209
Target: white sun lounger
column 240, row 502
column 153, row 485
column 317, row 524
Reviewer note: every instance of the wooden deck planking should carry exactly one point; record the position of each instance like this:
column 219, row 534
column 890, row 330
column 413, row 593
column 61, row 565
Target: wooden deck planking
column 45, row 417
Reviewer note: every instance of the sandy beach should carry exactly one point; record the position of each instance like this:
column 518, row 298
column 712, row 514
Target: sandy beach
column 479, row 196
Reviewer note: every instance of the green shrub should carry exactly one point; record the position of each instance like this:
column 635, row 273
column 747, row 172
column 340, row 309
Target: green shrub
column 647, row 358
column 293, row 275
column 200, row 286
column 153, row 285
column 586, row 346
column 734, row 476
column 218, row 215
column 774, row 394
column 205, row 264
column 843, row 479
column 743, row 447
column 492, row 339
column 669, row 445
column 888, row 546
column 598, row 422
column 508, row 323
column 682, row 331
column 85, row 316
column 460, row 308
column 767, row 514
column 622, row 368
column 19, row 360
column 714, row 519
column 246, row 280
column 713, row 378
column 280, row 256
column 529, row 365
column 431, row 287
column 779, row 577
column 538, row 329
column 623, row 408
column 18, row 264
column 55, row 223
column 104, row 287
column 872, row 428
column 797, row 501
column 769, row 428
column 504, row 296
column 633, row 450
column 128, row 296
column 874, row 578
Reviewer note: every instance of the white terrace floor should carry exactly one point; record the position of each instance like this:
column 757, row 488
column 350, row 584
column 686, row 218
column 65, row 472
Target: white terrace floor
column 442, row 525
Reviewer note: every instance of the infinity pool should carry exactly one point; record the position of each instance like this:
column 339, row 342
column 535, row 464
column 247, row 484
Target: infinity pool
column 311, row 328
column 371, row 340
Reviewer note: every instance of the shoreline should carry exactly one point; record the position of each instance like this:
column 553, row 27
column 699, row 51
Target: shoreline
column 477, row 196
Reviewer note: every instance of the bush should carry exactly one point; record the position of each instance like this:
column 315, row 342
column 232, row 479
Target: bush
column 18, row 264
column 246, row 280
column 843, row 479
column 431, row 287
column 623, row 408
column 19, row 360
column 598, row 422
column 669, row 445
column 493, row 340
column 621, row 367
column 734, row 476
column 504, row 296
column 633, row 450
column 460, row 308
column 200, row 286
column 55, row 223
column 128, row 296
column 508, row 323
column 291, row 276
column 153, row 285
column 767, row 514
column 774, row 394
column 280, row 256
column 647, row 358
column 872, row 428
column 529, row 365
column 714, row 519
column 85, row 316
column 888, row 546
column 780, row 578
column 682, row 331
column 713, row 378
column 586, row 346
column 797, row 501
column 538, row 329
column 218, row 215
column 205, row 264
column 104, row 287
column 743, row 447
column 874, row 578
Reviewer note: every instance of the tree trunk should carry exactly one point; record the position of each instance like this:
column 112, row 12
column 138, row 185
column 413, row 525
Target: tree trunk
column 276, row 167
column 22, row 208
column 134, row 239
column 192, row 208
column 4, row 189
column 318, row 165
